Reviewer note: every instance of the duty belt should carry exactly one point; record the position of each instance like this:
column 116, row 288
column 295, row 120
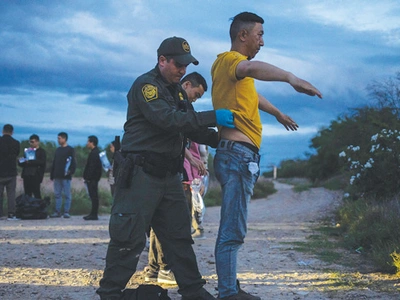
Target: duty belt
column 152, row 163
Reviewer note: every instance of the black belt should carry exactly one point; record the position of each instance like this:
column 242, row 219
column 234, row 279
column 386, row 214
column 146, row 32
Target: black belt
column 250, row 146
column 229, row 143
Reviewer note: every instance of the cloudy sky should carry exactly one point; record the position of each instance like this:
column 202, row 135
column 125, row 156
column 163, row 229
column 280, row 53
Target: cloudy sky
column 68, row 65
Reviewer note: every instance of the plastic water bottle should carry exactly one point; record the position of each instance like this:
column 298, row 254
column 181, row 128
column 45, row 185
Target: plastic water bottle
column 67, row 165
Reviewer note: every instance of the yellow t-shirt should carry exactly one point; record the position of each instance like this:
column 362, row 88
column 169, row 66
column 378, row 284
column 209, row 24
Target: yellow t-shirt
column 239, row 96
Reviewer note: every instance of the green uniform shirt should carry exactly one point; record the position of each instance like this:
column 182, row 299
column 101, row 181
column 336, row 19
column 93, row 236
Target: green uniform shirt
column 156, row 122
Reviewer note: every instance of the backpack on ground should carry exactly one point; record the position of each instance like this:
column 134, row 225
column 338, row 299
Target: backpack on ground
column 29, row 208
column 146, row 292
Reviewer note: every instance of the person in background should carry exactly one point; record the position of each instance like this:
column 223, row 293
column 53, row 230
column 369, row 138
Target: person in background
column 112, row 171
column 33, row 168
column 194, row 169
column 236, row 162
column 62, row 169
column 9, row 151
column 149, row 189
column 194, row 172
column 92, row 175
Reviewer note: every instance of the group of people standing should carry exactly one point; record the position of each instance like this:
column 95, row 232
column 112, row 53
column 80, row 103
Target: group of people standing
column 33, row 164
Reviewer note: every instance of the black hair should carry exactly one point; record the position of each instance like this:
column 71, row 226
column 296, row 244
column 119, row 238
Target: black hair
column 8, row 128
column 93, row 139
column 34, row 137
column 63, row 135
column 196, row 80
column 244, row 20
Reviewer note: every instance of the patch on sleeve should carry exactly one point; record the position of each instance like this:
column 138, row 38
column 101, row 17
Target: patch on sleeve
column 150, row 92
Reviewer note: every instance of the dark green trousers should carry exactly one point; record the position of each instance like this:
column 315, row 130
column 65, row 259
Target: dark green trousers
column 160, row 203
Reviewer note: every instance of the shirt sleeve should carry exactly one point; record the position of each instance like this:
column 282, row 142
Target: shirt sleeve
column 232, row 60
column 160, row 108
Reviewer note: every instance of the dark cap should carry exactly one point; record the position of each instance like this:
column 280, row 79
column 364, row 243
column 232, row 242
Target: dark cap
column 179, row 49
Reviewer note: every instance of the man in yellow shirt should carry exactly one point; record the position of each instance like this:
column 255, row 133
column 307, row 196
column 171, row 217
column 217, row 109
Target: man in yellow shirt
column 237, row 160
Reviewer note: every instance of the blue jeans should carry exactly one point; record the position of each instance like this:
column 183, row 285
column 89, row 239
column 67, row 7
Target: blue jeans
column 237, row 170
column 61, row 185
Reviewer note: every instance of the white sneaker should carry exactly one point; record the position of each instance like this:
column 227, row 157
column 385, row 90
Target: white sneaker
column 166, row 276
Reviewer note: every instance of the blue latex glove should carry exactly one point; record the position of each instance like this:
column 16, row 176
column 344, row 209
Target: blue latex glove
column 224, row 118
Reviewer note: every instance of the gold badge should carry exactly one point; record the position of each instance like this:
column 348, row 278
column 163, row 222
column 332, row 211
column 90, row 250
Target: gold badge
column 181, row 96
column 186, row 46
column 150, row 92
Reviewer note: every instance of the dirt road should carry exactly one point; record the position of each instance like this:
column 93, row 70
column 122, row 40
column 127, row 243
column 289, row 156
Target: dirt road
column 64, row 258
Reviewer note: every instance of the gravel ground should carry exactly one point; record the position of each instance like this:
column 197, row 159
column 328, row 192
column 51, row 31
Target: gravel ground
column 64, row 258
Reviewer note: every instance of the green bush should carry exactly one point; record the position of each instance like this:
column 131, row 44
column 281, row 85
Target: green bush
column 334, row 183
column 354, row 128
column 396, row 261
column 373, row 226
column 373, row 170
column 263, row 188
column 298, row 188
column 293, row 168
column 213, row 196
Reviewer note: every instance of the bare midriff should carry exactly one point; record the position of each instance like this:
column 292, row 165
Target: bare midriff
column 234, row 134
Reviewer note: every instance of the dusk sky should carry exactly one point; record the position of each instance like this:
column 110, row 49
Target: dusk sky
column 68, row 65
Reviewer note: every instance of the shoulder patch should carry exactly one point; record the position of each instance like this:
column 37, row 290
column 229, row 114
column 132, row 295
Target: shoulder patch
column 150, row 92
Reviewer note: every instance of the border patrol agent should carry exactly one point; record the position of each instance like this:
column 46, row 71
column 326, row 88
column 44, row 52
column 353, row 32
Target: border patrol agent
column 148, row 187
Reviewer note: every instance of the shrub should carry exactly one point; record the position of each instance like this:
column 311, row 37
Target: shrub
column 396, row 261
column 293, row 168
column 263, row 188
column 353, row 128
column 213, row 196
column 334, row 183
column 373, row 226
column 374, row 170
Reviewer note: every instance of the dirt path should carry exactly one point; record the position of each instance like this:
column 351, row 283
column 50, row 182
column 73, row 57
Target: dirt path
column 64, row 258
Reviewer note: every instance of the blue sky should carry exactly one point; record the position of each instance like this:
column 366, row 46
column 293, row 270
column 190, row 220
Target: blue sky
column 68, row 65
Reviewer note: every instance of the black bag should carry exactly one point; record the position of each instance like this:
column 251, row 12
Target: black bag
column 31, row 208
column 146, row 292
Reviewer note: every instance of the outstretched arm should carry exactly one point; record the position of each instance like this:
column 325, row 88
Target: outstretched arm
column 267, row 72
column 268, row 107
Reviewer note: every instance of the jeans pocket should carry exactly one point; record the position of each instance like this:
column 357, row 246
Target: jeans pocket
column 250, row 172
column 121, row 227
